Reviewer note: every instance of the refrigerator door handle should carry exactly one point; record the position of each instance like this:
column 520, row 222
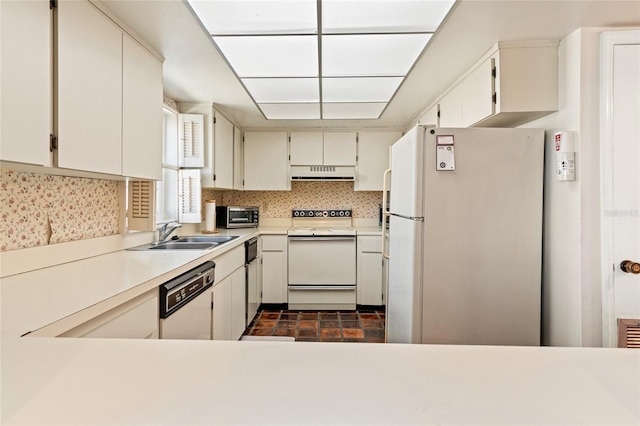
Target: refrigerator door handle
column 385, row 211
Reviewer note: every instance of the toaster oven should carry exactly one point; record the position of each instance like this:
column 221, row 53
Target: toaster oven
column 236, row 217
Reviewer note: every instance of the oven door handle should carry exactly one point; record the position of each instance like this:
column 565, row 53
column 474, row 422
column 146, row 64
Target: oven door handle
column 336, row 238
column 321, row 287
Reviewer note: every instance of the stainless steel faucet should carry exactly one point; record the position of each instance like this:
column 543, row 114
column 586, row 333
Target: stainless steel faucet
column 166, row 230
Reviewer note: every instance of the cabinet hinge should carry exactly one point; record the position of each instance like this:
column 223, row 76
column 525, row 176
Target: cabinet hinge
column 289, row 157
column 289, row 139
column 438, row 114
column 53, row 142
column 215, row 119
column 356, row 158
column 212, row 304
column 214, row 177
column 243, row 183
column 494, row 72
column 53, row 4
column 494, row 98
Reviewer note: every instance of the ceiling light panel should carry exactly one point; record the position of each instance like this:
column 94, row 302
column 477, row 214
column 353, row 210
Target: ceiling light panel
column 359, row 89
column 278, row 90
column 233, row 17
column 349, row 111
column 371, row 54
column 271, row 56
column 291, row 111
column 383, row 16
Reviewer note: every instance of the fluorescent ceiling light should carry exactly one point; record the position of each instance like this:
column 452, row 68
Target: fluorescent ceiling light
column 371, row 54
column 241, row 17
column 347, row 63
column 291, row 111
column 359, row 89
column 278, row 90
column 271, row 56
column 395, row 16
column 340, row 111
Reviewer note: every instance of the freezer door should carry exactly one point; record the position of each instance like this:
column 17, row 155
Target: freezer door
column 483, row 239
column 407, row 174
column 404, row 297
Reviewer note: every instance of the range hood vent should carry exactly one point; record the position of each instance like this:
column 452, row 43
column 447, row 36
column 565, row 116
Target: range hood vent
column 323, row 173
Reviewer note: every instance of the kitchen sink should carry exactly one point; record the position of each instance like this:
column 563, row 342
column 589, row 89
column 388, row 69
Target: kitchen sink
column 187, row 243
column 206, row 239
column 174, row 245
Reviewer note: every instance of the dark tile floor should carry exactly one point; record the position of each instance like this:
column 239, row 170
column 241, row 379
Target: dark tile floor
column 363, row 325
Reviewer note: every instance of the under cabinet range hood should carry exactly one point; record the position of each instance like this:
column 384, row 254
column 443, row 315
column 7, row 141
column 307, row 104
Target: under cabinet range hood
column 323, row 173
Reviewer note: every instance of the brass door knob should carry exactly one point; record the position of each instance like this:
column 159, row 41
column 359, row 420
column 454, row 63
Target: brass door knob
column 630, row 267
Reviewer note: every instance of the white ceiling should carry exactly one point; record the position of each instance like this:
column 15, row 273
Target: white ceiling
column 194, row 71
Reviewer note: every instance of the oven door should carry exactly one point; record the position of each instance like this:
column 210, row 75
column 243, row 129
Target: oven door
column 322, row 272
column 322, row 261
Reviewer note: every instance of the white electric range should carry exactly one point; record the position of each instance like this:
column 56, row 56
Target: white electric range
column 322, row 260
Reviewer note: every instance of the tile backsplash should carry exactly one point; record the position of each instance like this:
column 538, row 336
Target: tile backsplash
column 303, row 195
column 42, row 209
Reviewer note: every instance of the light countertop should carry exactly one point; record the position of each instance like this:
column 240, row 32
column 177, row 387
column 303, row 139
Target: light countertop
column 165, row 382
column 38, row 298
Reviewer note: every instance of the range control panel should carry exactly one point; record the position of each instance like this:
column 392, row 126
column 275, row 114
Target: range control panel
column 320, row 213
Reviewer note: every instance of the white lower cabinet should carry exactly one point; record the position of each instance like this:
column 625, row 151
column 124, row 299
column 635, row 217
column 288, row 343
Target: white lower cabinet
column 370, row 271
column 135, row 319
column 229, row 296
column 229, row 309
column 274, row 268
column 221, row 315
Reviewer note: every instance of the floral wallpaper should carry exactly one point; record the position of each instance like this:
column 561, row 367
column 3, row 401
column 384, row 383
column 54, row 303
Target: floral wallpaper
column 303, row 195
column 42, row 209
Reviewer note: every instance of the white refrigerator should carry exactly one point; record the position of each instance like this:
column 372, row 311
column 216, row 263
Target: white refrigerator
column 465, row 236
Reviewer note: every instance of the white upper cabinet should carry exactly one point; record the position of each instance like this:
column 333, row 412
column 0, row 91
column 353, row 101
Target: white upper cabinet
column 238, row 160
column 477, row 93
column 373, row 159
column 191, row 140
column 216, row 156
column 340, row 148
column 266, row 161
column 89, row 89
column 306, row 148
column 526, row 82
column 222, row 152
column 430, row 117
column 328, row 148
column 109, row 105
column 451, row 108
column 26, row 81
column 142, row 111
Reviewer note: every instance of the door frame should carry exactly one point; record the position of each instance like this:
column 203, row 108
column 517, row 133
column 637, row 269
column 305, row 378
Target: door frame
column 608, row 40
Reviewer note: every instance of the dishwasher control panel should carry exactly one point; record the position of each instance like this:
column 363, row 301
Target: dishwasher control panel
column 179, row 291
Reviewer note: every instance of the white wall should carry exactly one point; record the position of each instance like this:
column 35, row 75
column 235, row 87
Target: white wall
column 571, row 251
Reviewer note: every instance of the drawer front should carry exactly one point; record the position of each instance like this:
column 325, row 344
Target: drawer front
column 322, row 296
column 273, row 242
column 229, row 262
column 370, row 244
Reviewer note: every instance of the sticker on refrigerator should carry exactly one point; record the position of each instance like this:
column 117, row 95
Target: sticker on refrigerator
column 445, row 154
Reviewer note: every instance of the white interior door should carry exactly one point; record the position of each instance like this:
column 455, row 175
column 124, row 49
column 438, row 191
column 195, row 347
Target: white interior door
column 621, row 178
